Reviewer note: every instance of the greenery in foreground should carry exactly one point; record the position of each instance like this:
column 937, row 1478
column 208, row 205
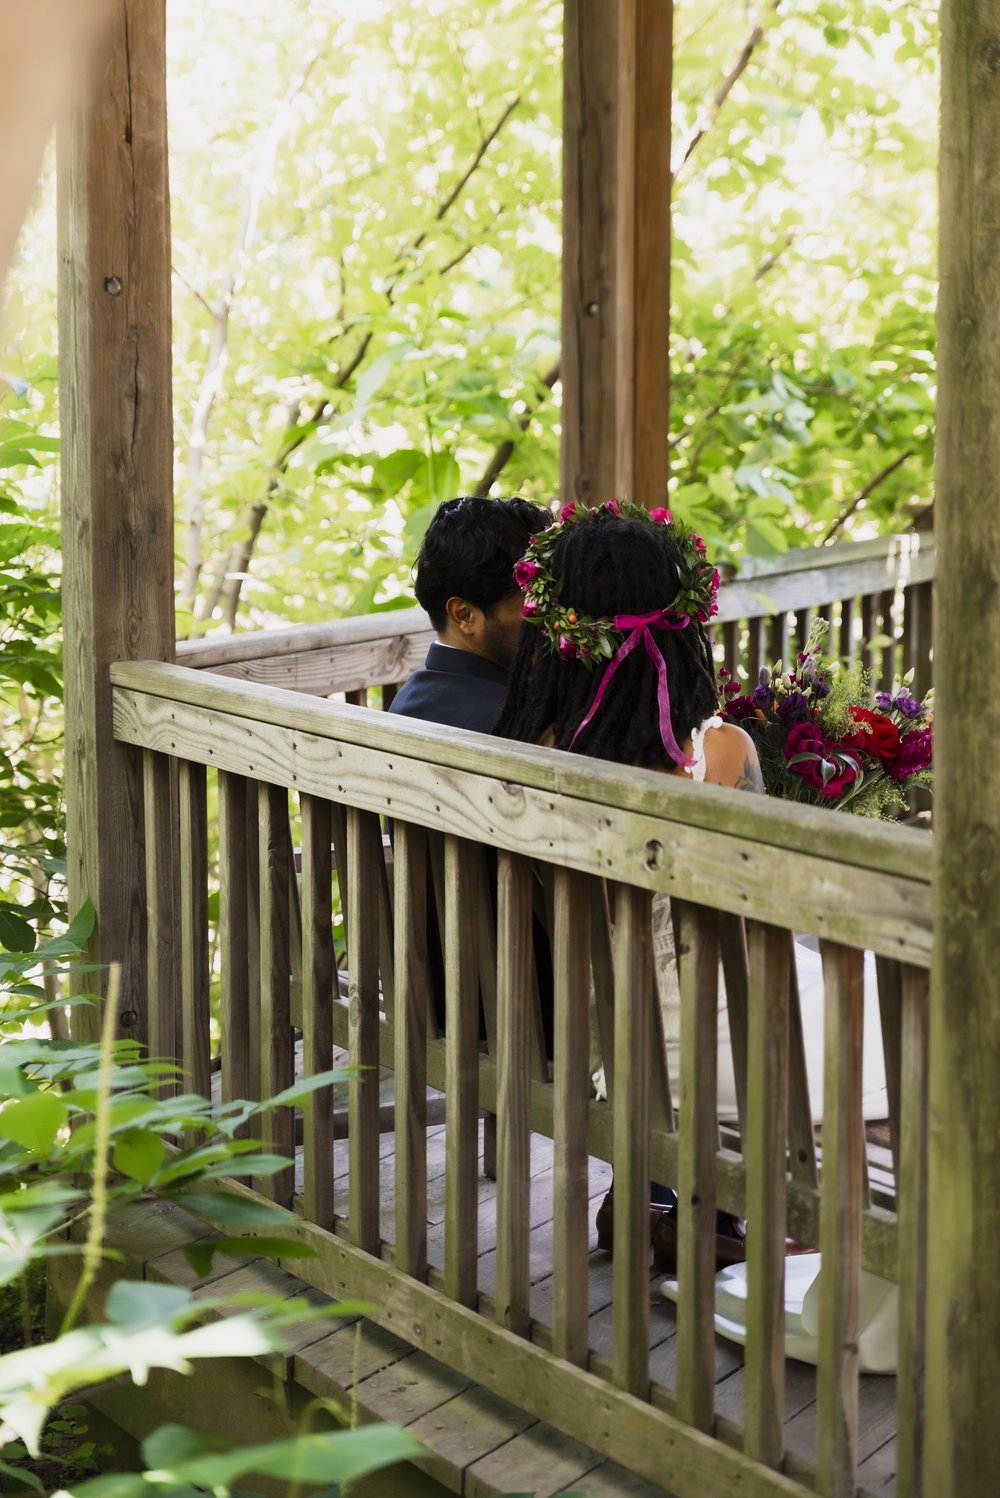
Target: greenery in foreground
column 82, row 1134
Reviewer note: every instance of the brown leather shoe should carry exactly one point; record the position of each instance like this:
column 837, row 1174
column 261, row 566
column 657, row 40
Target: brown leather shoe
column 730, row 1243
column 605, row 1220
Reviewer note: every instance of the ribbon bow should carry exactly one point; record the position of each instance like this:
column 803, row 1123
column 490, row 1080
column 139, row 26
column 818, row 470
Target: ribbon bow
column 639, row 627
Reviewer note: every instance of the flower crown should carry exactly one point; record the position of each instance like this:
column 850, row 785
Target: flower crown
column 577, row 636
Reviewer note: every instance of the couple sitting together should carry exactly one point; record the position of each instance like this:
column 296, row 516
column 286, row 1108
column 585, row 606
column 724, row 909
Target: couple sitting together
column 585, row 634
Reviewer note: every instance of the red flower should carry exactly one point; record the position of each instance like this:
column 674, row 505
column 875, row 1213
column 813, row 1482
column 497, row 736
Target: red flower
column 878, row 737
column 525, row 573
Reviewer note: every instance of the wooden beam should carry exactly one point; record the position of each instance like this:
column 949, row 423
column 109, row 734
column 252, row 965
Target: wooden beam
column 963, row 1310
column 642, row 425
column 590, row 94
column 118, row 547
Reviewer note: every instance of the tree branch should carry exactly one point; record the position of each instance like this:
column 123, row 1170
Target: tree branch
column 863, row 494
column 228, row 584
column 503, row 453
column 710, row 112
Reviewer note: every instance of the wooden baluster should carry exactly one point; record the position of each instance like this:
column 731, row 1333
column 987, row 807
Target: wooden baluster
column 461, row 964
column 733, row 948
column 871, row 654
column 386, row 944
column 911, row 1209
column 890, row 668
column 848, row 629
column 890, row 1008
column 840, row 1223
column 253, row 937
column 194, row 975
column 233, row 952
column 731, row 645
column 338, row 825
column 410, row 1047
column 907, row 614
column 277, row 1054
column 358, row 697
column 364, row 853
column 161, row 957
column 801, row 630
column 487, row 946
column 801, row 1136
column 756, row 652
column 294, row 931
column 571, row 964
column 765, row 1152
column 698, row 951
column 603, row 971
column 633, row 1028
column 514, row 1046
column 318, row 980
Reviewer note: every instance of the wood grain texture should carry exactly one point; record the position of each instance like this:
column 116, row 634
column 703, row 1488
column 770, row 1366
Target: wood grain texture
column 633, row 1029
column 515, row 974
column 642, row 273
column 765, row 1149
column 318, row 974
column 912, row 1207
column 116, row 469
column 571, row 966
column 698, row 954
column 665, row 846
column 590, row 99
column 410, row 872
column 233, row 980
column 801, row 1134
column 461, row 965
column 963, row 1310
column 277, row 1055
column 840, row 1224
column 194, row 972
column 364, row 854
column 735, row 973
column 162, row 966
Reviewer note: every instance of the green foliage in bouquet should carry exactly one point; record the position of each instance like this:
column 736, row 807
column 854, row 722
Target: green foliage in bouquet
column 825, row 736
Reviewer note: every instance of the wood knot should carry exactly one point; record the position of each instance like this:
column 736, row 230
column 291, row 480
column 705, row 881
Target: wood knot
column 654, row 854
column 991, row 56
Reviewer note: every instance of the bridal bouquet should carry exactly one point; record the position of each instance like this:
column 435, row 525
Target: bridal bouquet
column 824, row 736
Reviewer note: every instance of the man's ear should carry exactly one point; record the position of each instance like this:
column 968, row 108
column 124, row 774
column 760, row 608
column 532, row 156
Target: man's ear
column 463, row 615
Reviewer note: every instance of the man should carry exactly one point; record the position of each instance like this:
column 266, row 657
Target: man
column 464, row 578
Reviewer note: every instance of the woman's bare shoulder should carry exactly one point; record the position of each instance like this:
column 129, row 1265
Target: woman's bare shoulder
column 731, row 759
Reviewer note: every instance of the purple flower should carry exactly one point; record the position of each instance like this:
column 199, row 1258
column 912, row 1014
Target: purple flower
column 908, row 706
column 763, row 696
column 738, row 709
column 883, row 701
column 794, row 707
column 764, row 677
column 525, row 573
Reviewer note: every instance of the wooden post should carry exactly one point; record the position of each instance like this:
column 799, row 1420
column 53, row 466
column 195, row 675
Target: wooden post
column 642, row 426
column 962, row 1449
column 118, row 544
column 590, row 144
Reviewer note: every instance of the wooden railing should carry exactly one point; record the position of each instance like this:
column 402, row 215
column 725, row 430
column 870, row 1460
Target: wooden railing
column 875, row 595
column 589, row 847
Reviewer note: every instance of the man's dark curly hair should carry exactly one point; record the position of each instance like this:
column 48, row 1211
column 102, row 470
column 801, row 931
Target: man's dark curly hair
column 615, row 567
column 470, row 550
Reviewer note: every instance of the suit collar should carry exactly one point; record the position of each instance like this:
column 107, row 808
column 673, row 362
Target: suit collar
column 463, row 663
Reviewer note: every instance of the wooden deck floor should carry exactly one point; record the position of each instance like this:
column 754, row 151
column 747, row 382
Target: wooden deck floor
column 499, row 1448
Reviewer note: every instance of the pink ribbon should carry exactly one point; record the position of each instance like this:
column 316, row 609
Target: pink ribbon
column 640, row 627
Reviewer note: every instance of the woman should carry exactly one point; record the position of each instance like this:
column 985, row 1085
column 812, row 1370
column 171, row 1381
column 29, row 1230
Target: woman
column 619, row 667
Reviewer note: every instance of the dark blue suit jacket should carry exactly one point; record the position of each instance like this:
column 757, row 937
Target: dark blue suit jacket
column 454, row 687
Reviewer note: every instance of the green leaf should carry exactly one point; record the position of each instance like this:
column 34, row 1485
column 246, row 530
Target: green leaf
column 22, row 1477
column 171, row 1444
column 139, row 1153
column 34, row 1121
column 138, row 1304
column 82, row 925
column 235, row 1211
column 200, row 1255
column 330, row 1456
column 16, row 934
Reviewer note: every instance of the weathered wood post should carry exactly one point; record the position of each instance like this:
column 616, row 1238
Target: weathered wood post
column 118, row 547
column 962, row 1447
column 589, row 312
column 642, row 393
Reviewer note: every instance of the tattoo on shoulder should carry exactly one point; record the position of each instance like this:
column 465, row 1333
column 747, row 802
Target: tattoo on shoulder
column 751, row 779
